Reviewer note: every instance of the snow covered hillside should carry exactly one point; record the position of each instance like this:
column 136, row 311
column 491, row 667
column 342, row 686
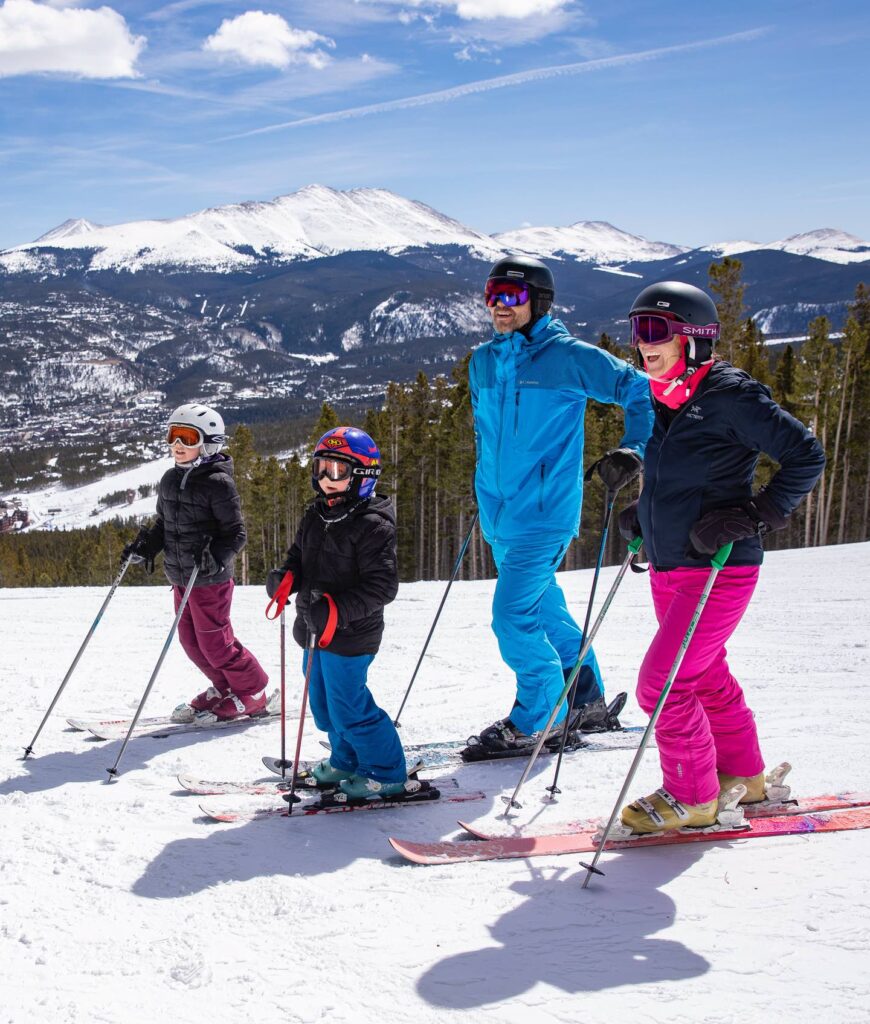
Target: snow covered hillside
column 827, row 244
column 120, row 904
column 316, row 221
column 593, row 241
column 68, row 508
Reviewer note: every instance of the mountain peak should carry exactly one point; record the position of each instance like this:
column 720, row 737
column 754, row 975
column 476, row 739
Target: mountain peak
column 829, row 244
column 589, row 240
column 71, row 228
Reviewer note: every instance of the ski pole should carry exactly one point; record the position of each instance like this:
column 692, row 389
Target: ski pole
column 633, row 549
column 113, row 771
column 312, row 639
column 717, row 562
column 608, row 515
column 282, row 641
column 456, row 565
column 279, row 603
column 29, row 748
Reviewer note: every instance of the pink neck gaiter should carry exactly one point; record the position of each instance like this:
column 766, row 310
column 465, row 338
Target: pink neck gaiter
column 672, row 390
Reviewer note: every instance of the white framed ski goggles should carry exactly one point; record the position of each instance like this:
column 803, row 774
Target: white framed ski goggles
column 190, row 437
column 655, row 329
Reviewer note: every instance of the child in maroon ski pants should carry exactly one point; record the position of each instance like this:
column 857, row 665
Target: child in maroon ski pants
column 199, row 526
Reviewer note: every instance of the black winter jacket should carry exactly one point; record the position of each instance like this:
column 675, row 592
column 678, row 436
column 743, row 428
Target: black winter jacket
column 194, row 505
column 705, row 456
column 351, row 555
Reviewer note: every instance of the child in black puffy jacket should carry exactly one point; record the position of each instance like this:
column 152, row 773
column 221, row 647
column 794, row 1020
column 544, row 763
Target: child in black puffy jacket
column 199, row 522
column 342, row 566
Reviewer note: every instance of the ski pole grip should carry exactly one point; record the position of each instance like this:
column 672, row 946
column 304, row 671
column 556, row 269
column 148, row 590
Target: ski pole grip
column 635, row 545
column 722, row 555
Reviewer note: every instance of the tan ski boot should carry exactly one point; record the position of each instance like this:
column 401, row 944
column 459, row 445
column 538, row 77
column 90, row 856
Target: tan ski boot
column 759, row 787
column 661, row 812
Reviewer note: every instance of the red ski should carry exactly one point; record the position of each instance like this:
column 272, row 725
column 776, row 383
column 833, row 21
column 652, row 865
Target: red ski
column 586, row 842
column 505, row 829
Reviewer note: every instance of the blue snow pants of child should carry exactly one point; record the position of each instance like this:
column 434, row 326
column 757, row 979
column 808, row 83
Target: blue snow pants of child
column 536, row 634
column 362, row 736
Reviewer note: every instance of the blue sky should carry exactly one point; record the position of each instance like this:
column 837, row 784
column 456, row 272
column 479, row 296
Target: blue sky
column 684, row 122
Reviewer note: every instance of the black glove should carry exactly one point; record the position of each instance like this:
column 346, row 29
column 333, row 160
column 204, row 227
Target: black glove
column 618, row 467
column 315, row 612
column 274, row 580
column 138, row 551
column 755, row 517
column 629, row 527
column 208, row 564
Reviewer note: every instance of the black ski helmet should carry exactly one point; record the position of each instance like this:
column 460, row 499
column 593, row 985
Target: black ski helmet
column 690, row 305
column 531, row 272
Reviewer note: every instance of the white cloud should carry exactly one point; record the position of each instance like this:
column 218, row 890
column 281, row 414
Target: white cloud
column 37, row 38
column 259, row 38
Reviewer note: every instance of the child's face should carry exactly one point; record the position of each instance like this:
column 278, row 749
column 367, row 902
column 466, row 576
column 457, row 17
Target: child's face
column 333, row 486
column 183, row 455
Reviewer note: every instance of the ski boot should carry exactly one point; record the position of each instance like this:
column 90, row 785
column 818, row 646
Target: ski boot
column 504, row 735
column 358, row 787
column 598, row 715
column 323, row 776
column 760, row 788
column 202, row 702
column 662, row 812
column 233, row 706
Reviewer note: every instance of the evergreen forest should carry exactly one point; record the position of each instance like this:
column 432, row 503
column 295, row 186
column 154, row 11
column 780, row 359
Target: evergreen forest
column 424, row 430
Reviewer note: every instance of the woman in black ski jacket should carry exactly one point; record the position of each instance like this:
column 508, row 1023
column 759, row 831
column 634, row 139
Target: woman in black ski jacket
column 711, row 423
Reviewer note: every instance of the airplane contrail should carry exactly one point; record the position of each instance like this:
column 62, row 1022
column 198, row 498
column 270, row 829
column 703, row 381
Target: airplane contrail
column 501, row 82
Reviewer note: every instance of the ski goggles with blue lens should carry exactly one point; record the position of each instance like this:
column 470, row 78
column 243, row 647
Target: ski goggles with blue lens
column 508, row 293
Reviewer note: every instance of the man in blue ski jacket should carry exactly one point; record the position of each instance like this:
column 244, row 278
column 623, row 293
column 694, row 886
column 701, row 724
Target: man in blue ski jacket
column 529, row 387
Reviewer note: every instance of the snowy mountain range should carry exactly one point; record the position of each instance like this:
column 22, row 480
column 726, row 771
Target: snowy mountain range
column 266, row 309
column 318, row 221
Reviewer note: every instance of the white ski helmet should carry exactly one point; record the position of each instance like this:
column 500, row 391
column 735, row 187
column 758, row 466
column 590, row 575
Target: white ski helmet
column 209, row 423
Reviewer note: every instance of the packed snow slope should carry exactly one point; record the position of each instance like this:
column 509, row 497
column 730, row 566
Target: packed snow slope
column 121, row 904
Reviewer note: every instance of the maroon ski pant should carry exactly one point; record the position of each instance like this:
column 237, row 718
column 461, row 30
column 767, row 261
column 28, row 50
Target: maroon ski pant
column 207, row 637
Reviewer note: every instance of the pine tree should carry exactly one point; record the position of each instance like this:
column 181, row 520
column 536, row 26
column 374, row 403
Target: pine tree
column 784, row 380
column 815, row 387
column 327, row 420
column 726, row 283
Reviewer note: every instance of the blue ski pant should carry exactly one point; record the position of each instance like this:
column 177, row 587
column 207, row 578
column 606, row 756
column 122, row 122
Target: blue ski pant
column 537, row 636
column 362, row 736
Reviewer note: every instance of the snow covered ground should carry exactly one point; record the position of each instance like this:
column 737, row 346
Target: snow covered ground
column 119, row 903
column 68, row 508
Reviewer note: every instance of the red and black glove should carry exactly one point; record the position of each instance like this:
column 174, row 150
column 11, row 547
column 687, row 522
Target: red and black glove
column 320, row 615
column 279, row 586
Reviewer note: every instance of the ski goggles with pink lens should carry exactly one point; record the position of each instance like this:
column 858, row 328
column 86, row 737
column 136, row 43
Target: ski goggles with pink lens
column 655, row 329
column 509, row 293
